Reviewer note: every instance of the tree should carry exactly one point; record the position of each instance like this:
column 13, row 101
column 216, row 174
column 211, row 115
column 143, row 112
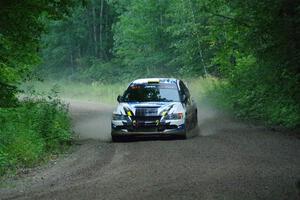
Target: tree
column 141, row 41
column 21, row 26
column 73, row 44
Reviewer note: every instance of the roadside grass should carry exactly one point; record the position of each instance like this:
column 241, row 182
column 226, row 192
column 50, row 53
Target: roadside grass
column 107, row 93
column 104, row 93
column 203, row 89
column 32, row 132
column 261, row 104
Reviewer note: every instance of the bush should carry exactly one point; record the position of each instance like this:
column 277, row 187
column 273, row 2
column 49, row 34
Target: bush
column 7, row 94
column 31, row 131
column 268, row 93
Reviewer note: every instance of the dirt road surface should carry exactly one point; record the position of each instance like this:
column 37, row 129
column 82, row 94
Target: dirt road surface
column 226, row 160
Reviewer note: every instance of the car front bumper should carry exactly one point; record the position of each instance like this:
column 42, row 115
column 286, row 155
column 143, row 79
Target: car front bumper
column 166, row 133
column 148, row 128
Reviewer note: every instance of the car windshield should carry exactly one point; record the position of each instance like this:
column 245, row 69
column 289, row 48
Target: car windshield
column 151, row 92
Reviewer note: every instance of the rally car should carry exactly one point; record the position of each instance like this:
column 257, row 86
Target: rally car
column 154, row 107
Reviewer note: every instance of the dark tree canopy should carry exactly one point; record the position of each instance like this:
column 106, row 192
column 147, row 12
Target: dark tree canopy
column 21, row 26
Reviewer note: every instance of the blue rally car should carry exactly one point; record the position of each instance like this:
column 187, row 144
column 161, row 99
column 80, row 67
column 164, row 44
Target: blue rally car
column 154, row 107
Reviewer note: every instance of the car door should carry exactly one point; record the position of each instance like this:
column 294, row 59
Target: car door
column 192, row 110
column 188, row 105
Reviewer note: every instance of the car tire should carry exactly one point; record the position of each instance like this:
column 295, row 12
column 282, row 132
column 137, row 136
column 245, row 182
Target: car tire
column 184, row 136
column 195, row 120
column 115, row 138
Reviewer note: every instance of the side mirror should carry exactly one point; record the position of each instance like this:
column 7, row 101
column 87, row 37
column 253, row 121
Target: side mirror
column 119, row 98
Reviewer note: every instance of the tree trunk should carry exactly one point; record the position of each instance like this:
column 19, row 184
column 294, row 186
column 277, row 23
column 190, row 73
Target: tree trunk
column 72, row 62
column 101, row 28
column 106, row 32
column 95, row 31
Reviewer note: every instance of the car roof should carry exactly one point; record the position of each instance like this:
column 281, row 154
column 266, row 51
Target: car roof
column 153, row 80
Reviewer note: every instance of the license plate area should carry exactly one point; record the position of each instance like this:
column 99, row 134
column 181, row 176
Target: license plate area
column 146, row 126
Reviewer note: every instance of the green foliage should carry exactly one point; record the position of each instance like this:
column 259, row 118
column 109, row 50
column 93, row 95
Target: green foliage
column 7, row 94
column 251, row 93
column 189, row 34
column 258, row 59
column 95, row 91
column 109, row 72
column 31, row 131
column 140, row 39
column 202, row 89
column 74, row 43
column 22, row 23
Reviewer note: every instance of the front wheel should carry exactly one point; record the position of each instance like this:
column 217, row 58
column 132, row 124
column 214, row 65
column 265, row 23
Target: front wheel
column 195, row 120
column 184, row 136
column 115, row 138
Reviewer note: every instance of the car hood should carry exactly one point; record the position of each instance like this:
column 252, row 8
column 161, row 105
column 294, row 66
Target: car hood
column 149, row 108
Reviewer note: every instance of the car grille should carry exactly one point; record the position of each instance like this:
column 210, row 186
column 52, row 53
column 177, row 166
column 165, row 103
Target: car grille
column 146, row 111
column 146, row 118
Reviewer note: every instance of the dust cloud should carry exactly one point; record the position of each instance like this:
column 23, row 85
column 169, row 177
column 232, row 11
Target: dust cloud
column 91, row 120
column 213, row 121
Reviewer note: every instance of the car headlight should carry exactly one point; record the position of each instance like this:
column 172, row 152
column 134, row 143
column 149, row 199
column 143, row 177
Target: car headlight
column 119, row 117
column 174, row 116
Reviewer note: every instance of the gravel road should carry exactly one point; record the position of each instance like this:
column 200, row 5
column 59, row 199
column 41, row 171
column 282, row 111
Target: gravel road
column 226, row 160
